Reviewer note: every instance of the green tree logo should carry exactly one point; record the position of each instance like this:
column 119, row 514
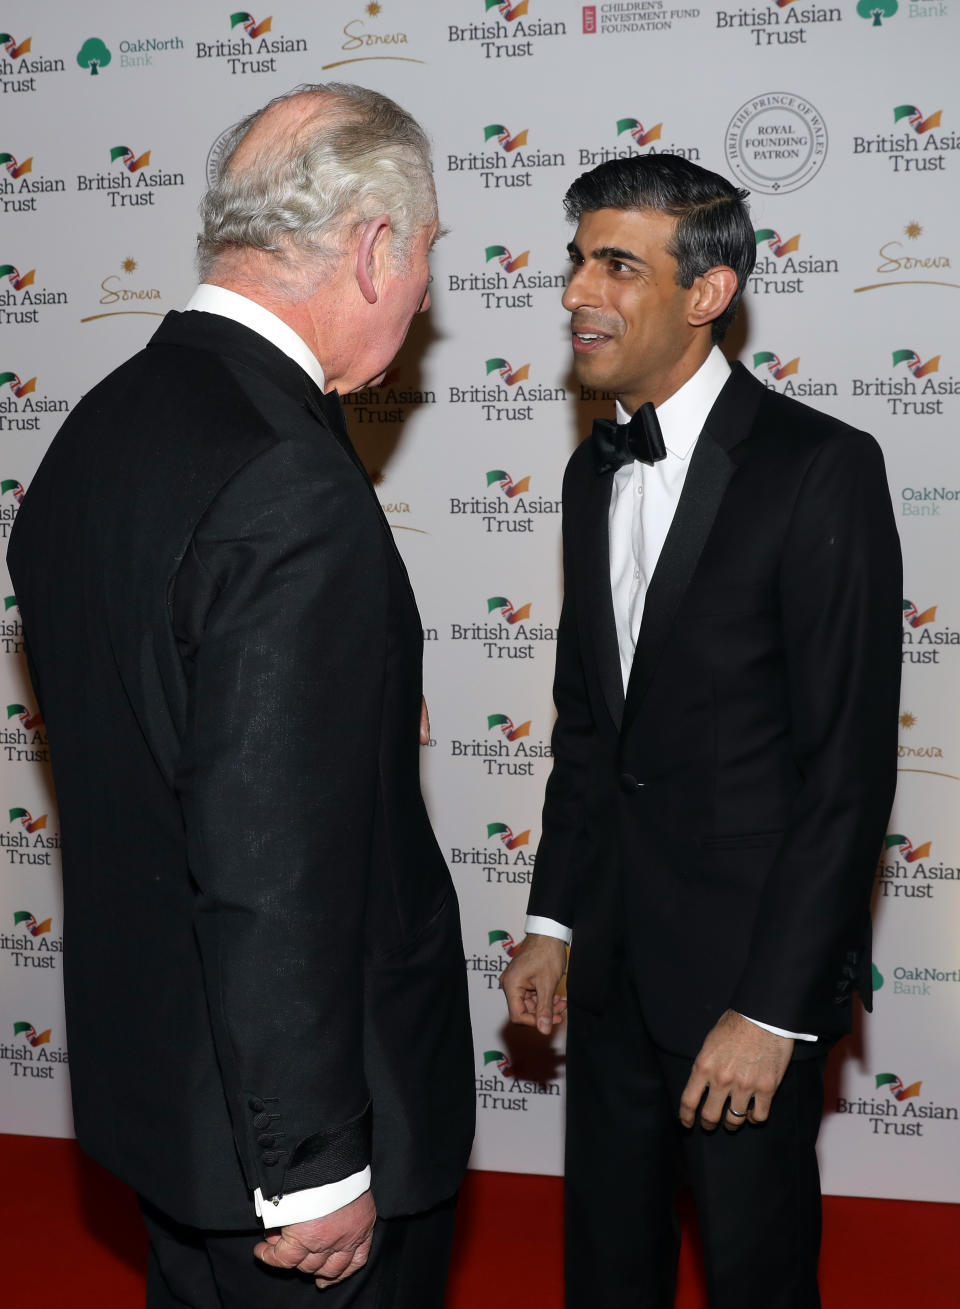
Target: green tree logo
column 878, row 10
column 93, row 54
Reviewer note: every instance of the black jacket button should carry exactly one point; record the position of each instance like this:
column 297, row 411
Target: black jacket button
column 261, row 1120
column 629, row 783
column 269, row 1158
column 265, row 1139
column 256, row 1105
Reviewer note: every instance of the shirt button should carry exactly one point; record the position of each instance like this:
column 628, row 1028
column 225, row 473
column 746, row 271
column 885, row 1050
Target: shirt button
column 637, row 574
column 639, row 488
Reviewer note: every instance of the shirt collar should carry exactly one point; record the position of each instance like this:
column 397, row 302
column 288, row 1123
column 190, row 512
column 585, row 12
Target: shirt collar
column 209, row 299
column 683, row 415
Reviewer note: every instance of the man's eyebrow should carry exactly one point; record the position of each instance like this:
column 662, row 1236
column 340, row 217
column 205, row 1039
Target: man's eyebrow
column 607, row 252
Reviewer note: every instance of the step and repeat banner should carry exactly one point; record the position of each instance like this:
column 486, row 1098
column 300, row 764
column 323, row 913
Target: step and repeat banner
column 843, row 120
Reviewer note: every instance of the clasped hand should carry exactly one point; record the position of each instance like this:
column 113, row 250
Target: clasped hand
column 330, row 1249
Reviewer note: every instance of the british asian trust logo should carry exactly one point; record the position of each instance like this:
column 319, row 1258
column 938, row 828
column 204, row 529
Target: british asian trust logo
column 31, row 1052
column 31, row 844
column 896, row 1108
column 509, row 400
column 511, row 636
column 391, row 401
column 514, row 510
column 506, row 858
column 485, row 966
column 909, row 871
column 12, row 492
column 20, row 67
column 633, row 136
column 507, row 750
column 507, row 162
column 23, row 737
column 775, row 370
column 253, row 46
column 128, row 183
column 506, row 281
column 915, row 141
column 23, row 403
column 914, row 387
column 778, row 22
column 629, row 16
column 781, row 267
column 923, row 639
column 507, row 30
column 21, row 188
column 32, row 943
column 11, row 628
column 21, row 300
column 500, row 1088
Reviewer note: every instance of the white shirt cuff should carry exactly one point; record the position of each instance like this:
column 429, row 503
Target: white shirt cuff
column 547, row 927
column 778, row 1031
column 313, row 1202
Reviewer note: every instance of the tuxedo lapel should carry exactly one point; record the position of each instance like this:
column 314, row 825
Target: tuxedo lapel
column 711, row 468
column 598, row 600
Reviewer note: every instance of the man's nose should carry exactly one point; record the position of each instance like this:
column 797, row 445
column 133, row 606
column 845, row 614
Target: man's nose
column 580, row 290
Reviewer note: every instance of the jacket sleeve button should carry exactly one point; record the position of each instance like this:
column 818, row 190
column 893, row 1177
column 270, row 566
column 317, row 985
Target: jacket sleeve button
column 629, row 783
column 269, row 1158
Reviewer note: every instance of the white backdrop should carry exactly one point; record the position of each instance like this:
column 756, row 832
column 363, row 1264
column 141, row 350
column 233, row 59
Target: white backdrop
column 845, row 128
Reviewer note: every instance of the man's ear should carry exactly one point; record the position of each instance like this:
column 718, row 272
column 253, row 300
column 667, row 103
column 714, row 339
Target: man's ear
column 371, row 251
column 712, row 292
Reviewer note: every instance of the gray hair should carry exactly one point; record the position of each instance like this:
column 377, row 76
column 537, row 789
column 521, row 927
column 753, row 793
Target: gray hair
column 359, row 156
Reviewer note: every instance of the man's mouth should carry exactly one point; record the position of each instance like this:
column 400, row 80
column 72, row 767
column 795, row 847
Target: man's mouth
column 585, row 342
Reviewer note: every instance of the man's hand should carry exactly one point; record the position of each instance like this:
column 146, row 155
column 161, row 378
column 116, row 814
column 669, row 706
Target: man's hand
column 424, row 722
column 329, row 1248
column 740, row 1063
column 530, row 982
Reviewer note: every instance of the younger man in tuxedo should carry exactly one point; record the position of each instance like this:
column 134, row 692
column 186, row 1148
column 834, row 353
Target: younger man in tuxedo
column 724, row 761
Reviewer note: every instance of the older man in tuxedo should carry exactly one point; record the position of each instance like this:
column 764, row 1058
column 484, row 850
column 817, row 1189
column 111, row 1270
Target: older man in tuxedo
column 725, row 757
column 266, row 1003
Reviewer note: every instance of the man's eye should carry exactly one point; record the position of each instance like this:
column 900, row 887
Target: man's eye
column 618, row 266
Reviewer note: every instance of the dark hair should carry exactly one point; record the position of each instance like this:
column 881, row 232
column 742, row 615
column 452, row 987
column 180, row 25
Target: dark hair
column 713, row 222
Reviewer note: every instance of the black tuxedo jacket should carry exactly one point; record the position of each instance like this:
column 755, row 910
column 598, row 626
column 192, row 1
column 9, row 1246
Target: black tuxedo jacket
column 263, row 966
column 723, row 821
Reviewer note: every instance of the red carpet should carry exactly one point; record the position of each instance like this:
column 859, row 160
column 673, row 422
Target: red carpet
column 72, row 1236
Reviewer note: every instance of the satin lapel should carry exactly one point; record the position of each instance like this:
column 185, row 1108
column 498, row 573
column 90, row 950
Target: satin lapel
column 594, row 585
column 710, row 470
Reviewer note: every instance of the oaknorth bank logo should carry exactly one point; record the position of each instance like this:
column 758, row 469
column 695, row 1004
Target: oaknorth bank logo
column 896, row 1087
column 31, row 1035
column 509, row 612
column 504, row 833
column 253, row 46
column 877, row 10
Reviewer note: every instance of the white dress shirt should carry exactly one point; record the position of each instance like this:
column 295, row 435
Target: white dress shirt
column 643, row 500
column 314, row 1201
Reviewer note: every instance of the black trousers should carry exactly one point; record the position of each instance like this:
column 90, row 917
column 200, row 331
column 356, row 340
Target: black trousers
column 193, row 1269
column 757, row 1191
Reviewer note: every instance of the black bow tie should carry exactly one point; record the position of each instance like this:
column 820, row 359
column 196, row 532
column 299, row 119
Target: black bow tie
column 616, row 444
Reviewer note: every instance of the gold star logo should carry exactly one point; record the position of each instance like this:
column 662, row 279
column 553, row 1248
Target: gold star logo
column 373, row 9
column 129, row 265
column 913, row 230
column 907, row 720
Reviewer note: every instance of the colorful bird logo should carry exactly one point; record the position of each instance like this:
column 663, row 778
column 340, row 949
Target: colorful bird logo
column 510, row 614
column 774, row 365
column 897, row 1088
column 914, row 363
column 506, row 835
column 773, row 240
column 127, row 157
column 27, row 821
column 915, row 118
column 506, row 370
column 252, row 28
column 506, row 484
column 912, row 615
column 15, row 169
column 18, row 388
column 506, row 726
column 17, row 281
column 636, row 129
column 499, row 1058
column 23, row 918
column 28, row 720
column 506, row 940
column 32, row 1035
column 507, row 261
column 906, row 848
column 503, row 136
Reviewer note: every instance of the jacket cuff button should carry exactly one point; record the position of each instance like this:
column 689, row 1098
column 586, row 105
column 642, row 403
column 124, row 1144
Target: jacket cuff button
column 269, row 1158
column 629, row 783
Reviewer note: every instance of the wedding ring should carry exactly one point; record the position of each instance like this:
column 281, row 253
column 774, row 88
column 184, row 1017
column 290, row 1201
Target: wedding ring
column 736, row 1113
